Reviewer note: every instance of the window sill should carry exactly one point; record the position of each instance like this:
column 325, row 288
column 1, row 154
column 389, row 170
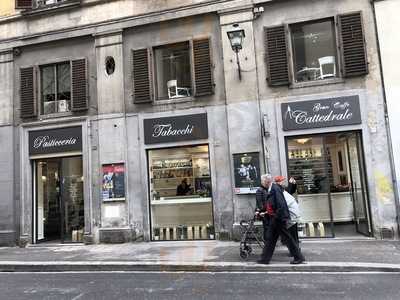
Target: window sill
column 55, row 115
column 173, row 101
column 298, row 85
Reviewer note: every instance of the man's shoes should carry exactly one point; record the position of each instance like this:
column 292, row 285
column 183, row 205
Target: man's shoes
column 298, row 261
column 263, row 262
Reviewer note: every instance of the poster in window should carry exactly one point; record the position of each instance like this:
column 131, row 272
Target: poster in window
column 247, row 172
column 113, row 185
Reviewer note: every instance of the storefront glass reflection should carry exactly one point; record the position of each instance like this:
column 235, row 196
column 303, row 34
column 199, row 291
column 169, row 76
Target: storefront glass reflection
column 311, row 165
column 331, row 183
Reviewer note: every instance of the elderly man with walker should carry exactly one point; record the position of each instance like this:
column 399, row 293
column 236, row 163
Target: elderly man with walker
column 272, row 207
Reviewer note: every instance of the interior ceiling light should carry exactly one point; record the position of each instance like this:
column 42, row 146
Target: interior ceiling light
column 303, row 141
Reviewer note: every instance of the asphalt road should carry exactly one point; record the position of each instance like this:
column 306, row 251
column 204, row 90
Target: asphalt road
column 199, row 286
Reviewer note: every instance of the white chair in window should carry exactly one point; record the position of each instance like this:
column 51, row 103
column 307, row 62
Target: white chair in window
column 49, row 107
column 63, row 105
column 176, row 92
column 327, row 67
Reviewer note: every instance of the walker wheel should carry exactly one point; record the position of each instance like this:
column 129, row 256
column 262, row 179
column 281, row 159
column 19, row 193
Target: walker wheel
column 249, row 249
column 244, row 254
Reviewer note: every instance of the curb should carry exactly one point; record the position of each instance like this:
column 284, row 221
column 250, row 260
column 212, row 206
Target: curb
column 101, row 266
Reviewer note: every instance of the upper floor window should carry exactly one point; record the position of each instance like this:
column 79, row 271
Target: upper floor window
column 40, row 3
column 314, row 50
column 37, row 4
column 173, row 71
column 55, row 87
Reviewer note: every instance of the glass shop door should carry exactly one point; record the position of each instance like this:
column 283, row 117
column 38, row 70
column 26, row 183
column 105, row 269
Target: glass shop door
column 358, row 185
column 59, row 200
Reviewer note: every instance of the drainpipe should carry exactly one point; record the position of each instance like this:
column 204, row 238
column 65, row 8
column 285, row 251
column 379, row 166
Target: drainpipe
column 262, row 117
column 387, row 124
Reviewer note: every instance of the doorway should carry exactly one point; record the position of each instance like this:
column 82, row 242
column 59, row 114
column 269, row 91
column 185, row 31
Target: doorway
column 59, row 199
column 359, row 192
column 332, row 190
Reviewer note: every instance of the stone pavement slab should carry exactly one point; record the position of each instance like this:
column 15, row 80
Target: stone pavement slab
column 210, row 255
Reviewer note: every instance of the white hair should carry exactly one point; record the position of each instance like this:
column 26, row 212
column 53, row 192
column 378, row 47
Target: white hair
column 266, row 177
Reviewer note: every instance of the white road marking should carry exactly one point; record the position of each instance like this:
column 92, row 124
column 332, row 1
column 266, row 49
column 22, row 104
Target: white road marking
column 78, row 297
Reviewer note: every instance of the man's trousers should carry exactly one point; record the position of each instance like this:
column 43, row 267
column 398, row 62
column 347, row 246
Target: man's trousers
column 275, row 229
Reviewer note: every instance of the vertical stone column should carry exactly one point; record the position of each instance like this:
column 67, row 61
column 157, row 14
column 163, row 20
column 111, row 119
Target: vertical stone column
column 243, row 112
column 112, row 136
column 7, row 201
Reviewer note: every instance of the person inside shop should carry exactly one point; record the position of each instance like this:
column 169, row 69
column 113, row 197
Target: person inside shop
column 183, row 188
column 276, row 216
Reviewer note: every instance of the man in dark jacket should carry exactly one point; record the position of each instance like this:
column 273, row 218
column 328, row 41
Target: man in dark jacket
column 261, row 205
column 276, row 215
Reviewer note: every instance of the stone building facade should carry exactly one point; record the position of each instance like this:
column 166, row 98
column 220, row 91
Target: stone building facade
column 389, row 45
column 108, row 106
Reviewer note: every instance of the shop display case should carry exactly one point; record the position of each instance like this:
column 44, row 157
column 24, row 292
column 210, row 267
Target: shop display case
column 321, row 177
column 178, row 216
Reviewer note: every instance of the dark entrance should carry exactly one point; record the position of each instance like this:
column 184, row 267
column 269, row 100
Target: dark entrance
column 59, row 199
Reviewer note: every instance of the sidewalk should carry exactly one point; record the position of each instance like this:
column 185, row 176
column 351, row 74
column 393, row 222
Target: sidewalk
column 331, row 255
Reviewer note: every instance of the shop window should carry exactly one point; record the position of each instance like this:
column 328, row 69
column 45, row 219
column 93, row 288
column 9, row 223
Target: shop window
column 314, row 50
column 180, row 193
column 55, row 87
column 330, row 182
column 173, row 71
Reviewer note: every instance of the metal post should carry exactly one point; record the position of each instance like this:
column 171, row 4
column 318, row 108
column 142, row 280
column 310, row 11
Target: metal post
column 238, row 63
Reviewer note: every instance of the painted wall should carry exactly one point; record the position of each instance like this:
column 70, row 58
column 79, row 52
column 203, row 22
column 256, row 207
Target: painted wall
column 7, row 204
column 90, row 12
column 7, row 7
column 243, row 110
column 389, row 41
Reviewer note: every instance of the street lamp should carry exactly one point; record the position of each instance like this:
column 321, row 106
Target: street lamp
column 236, row 38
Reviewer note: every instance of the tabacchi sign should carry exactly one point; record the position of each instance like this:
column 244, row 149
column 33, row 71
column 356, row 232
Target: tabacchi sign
column 55, row 140
column 321, row 113
column 175, row 129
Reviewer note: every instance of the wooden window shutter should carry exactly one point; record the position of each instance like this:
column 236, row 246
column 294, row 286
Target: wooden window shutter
column 276, row 55
column 79, row 85
column 141, row 75
column 23, row 3
column 354, row 55
column 203, row 81
column 27, row 92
